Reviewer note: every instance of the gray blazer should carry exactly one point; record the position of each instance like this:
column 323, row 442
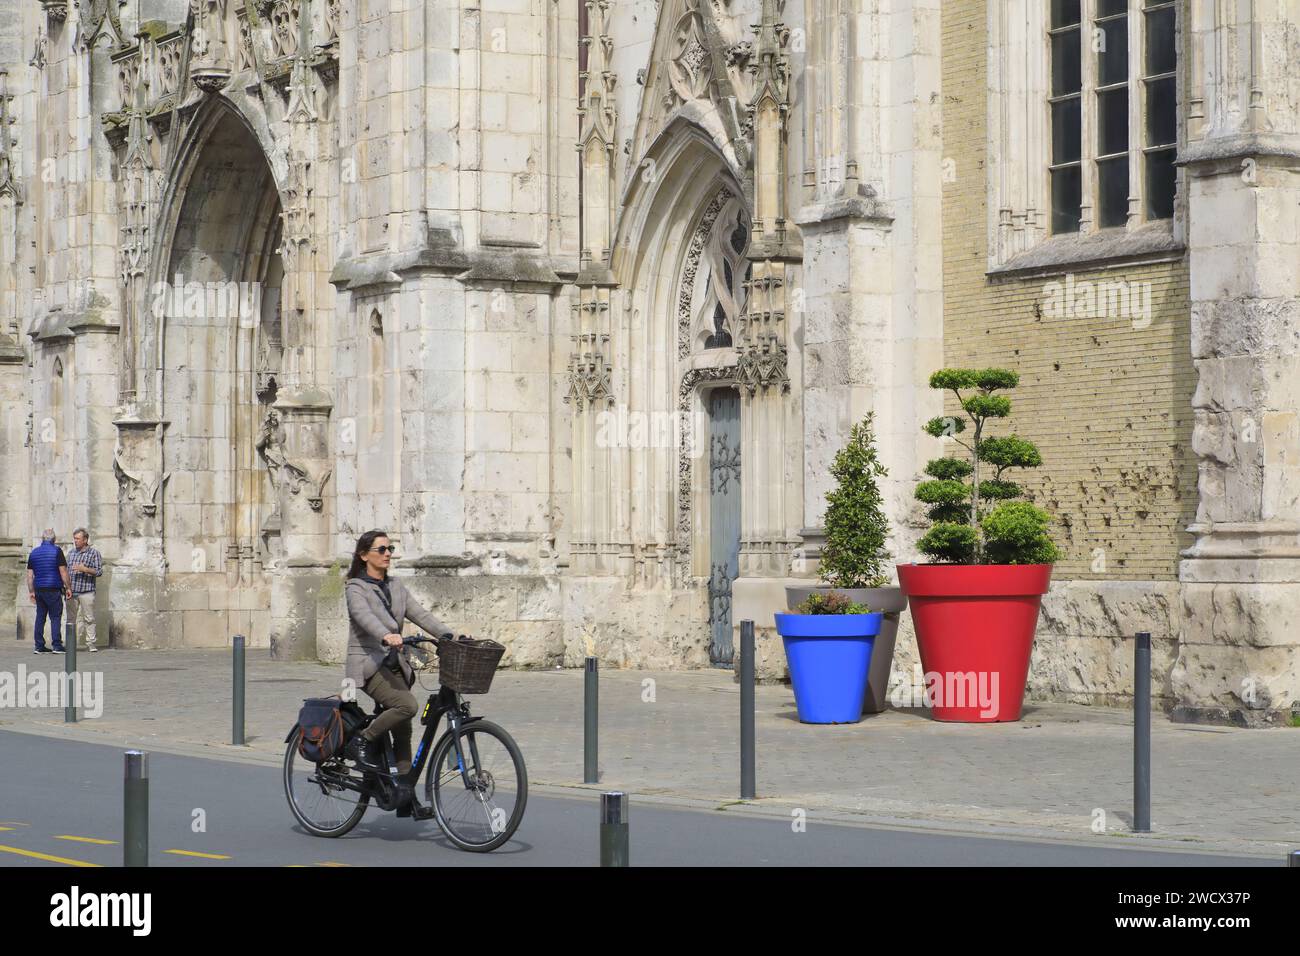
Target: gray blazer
column 369, row 620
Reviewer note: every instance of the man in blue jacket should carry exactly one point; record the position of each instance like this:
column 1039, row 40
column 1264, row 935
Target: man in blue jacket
column 48, row 584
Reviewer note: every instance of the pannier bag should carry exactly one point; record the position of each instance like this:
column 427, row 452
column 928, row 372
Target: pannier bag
column 354, row 718
column 320, row 728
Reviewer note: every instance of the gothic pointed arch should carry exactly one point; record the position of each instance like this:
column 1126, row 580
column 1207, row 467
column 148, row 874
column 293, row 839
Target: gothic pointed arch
column 678, row 260
column 698, row 72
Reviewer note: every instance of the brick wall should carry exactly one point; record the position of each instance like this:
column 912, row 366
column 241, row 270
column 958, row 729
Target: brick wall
column 1105, row 394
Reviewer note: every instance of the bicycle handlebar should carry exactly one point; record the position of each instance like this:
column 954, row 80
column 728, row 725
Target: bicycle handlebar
column 409, row 641
column 421, row 639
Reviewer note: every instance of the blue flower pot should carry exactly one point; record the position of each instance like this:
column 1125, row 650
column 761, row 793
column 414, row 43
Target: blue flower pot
column 829, row 656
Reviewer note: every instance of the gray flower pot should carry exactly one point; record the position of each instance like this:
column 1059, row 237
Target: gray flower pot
column 892, row 602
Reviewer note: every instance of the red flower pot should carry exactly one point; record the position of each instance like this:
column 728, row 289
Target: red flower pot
column 975, row 631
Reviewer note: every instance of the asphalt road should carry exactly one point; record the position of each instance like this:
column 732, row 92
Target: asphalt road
column 61, row 805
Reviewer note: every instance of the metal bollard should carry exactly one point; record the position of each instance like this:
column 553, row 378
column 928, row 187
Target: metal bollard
column 70, row 669
column 613, row 829
column 747, row 710
column 135, row 810
column 1293, row 859
column 237, row 697
column 1142, row 733
column 590, row 722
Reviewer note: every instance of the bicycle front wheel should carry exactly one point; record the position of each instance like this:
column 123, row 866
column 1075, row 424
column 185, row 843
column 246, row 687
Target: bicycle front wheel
column 481, row 809
column 316, row 794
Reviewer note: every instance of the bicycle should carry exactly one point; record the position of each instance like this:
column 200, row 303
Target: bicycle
column 476, row 796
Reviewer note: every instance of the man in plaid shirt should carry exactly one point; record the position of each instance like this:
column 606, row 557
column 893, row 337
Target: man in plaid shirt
column 86, row 565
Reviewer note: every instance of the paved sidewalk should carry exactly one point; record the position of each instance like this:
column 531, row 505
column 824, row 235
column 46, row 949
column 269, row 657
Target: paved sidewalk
column 1214, row 788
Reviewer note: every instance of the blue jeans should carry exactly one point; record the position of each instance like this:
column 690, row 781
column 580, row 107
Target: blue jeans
column 49, row 601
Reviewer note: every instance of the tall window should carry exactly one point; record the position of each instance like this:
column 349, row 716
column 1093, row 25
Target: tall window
column 1160, row 133
column 1114, row 114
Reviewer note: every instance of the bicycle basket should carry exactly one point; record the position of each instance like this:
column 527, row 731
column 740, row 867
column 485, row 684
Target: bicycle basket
column 467, row 666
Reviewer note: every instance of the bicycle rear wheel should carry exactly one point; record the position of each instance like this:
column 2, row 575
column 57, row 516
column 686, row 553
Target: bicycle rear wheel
column 483, row 813
column 316, row 796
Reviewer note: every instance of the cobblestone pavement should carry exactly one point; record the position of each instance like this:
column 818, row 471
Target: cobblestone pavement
column 674, row 736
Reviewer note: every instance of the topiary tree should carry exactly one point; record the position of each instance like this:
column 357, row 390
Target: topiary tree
column 965, row 530
column 856, row 526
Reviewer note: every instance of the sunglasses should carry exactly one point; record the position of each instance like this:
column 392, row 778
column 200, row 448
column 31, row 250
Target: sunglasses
column 386, row 549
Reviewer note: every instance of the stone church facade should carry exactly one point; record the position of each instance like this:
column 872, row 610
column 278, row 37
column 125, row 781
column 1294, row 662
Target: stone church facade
column 578, row 299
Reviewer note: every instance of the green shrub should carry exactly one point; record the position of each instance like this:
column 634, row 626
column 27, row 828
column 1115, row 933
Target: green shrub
column 832, row 603
column 1015, row 532
column 856, row 526
column 965, row 530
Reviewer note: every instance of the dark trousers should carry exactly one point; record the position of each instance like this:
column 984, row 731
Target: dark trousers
column 390, row 689
column 49, row 602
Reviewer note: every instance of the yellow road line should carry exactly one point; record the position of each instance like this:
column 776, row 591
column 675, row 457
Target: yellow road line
column 205, row 856
column 45, row 856
column 6, row 828
column 67, row 836
column 333, row 864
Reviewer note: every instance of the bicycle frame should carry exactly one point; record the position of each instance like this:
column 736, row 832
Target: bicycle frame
column 440, row 702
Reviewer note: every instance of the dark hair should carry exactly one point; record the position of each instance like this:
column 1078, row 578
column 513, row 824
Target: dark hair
column 363, row 545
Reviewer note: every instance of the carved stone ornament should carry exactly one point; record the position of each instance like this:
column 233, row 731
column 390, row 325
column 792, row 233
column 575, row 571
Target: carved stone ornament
column 763, row 366
column 38, row 52
column 140, row 489
column 270, row 445
column 297, row 215
column 691, row 67
column 590, row 376
column 686, row 285
column 9, row 182
column 294, row 477
column 210, row 80
column 56, row 10
column 316, row 500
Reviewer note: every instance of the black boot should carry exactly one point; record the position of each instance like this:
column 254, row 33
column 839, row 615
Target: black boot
column 364, row 754
column 405, row 798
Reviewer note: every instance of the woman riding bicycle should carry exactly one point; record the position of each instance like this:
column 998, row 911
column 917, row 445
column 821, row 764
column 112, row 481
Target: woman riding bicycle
column 377, row 607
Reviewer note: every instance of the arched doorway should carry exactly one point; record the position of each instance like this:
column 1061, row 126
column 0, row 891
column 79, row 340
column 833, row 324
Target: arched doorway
column 219, row 305
column 721, row 277
column 690, row 277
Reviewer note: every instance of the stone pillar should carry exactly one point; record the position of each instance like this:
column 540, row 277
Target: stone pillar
column 15, row 608
column 300, row 451
column 770, row 438
column 15, row 403
column 138, row 576
column 873, row 301
column 304, row 469
column 1239, row 650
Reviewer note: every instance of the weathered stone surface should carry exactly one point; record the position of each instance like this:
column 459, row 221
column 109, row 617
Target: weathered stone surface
column 1249, row 687
column 443, row 315
column 1238, row 658
column 623, row 627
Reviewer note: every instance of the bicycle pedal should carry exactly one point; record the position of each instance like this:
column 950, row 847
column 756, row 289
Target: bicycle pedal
column 422, row 812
